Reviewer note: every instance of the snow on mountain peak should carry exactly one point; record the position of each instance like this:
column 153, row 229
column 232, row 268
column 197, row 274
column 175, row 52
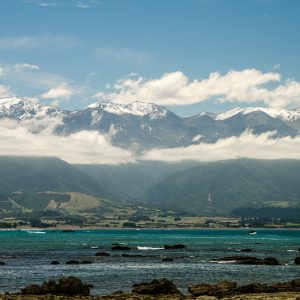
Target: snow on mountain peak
column 283, row 114
column 24, row 108
column 135, row 108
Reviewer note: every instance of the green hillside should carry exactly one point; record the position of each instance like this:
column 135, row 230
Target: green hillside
column 51, row 209
column 232, row 184
column 39, row 174
column 130, row 181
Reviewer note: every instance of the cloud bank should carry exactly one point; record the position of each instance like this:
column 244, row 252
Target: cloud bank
column 247, row 145
column 36, row 138
column 171, row 89
column 85, row 147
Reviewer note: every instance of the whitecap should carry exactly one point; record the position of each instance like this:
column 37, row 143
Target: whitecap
column 149, row 248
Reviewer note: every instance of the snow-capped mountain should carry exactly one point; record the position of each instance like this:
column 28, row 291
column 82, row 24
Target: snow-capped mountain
column 283, row 114
column 17, row 108
column 135, row 108
column 142, row 126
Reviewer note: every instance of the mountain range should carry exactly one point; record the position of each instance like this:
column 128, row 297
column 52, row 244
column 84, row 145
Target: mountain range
column 215, row 188
column 182, row 187
column 140, row 126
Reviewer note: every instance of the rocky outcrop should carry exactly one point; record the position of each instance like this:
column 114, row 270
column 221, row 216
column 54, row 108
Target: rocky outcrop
column 297, row 260
column 226, row 288
column 55, row 262
column 248, row 260
column 120, row 248
column 156, row 287
column 86, row 262
column 132, row 255
column 70, row 286
column 2, row 263
column 102, row 254
column 174, row 247
column 222, row 288
column 72, row 262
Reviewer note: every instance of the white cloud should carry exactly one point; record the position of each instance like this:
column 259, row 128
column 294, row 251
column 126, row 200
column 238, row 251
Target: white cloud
column 42, row 41
column 5, row 91
column 60, row 92
column 247, row 145
column 44, row 3
column 276, row 67
column 2, row 72
column 249, row 86
column 90, row 147
column 83, row 5
column 25, row 66
column 65, row 3
column 85, row 147
column 125, row 55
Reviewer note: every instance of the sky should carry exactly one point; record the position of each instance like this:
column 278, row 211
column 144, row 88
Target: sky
column 187, row 55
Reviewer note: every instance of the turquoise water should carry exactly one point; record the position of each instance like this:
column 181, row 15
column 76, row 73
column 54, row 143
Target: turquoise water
column 28, row 255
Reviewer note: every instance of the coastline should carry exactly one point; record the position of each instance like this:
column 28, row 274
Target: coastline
column 67, row 288
column 132, row 296
column 76, row 228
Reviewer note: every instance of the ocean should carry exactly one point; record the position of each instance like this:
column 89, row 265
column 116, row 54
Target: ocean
column 27, row 255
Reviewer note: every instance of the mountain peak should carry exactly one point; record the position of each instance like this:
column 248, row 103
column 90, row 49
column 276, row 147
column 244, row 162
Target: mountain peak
column 283, row 114
column 19, row 108
column 135, row 108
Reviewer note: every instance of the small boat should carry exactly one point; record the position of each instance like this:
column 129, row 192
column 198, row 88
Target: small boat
column 252, row 232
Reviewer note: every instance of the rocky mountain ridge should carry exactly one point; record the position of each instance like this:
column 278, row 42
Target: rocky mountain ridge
column 141, row 126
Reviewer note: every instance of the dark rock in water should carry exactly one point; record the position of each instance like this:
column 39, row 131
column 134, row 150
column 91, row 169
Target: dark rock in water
column 234, row 258
column 86, row 262
column 102, row 254
column 174, row 247
column 156, row 287
column 132, row 255
column 246, row 250
column 72, row 262
column 249, row 260
column 166, row 259
column 271, row 261
column 66, row 286
column 68, row 230
column 297, row 260
column 120, row 248
column 55, row 262
column 2, row 263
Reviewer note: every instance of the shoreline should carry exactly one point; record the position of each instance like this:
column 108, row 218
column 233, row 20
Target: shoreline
column 130, row 296
column 143, row 229
column 159, row 289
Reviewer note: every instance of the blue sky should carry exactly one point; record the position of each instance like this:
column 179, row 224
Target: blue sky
column 72, row 53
